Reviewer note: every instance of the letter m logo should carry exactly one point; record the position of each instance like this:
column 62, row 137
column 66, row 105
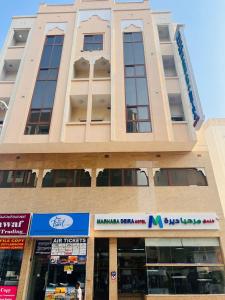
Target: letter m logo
column 155, row 221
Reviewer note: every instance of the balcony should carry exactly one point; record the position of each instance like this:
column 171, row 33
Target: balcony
column 10, row 70
column 19, row 38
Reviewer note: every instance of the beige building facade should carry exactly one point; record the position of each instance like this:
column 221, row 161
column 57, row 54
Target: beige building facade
column 103, row 179
column 214, row 131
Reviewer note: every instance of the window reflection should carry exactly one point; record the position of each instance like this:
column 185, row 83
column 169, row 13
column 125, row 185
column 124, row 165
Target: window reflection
column 44, row 92
column 184, row 266
column 18, row 178
column 93, row 42
column 136, row 89
column 185, row 280
column 180, row 177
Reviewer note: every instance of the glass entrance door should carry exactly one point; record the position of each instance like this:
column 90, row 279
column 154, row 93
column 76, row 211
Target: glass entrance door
column 131, row 268
column 101, row 271
column 39, row 277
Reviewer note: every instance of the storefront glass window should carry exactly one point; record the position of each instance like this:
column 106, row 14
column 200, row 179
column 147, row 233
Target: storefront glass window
column 185, row 280
column 131, row 266
column 58, row 265
column 184, row 266
column 10, row 264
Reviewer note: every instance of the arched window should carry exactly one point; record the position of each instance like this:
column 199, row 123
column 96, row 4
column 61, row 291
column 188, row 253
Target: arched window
column 102, row 68
column 81, row 68
column 67, row 178
column 180, row 177
column 122, row 177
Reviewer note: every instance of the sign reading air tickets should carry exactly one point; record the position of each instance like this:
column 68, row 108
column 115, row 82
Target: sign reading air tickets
column 160, row 221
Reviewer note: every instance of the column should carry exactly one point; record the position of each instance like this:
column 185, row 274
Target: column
column 89, row 270
column 25, row 271
column 113, row 289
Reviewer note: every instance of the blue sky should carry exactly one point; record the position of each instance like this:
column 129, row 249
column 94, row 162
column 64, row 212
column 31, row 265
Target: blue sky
column 205, row 33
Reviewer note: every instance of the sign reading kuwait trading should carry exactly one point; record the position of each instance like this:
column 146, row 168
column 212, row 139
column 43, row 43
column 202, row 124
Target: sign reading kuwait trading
column 14, row 224
column 208, row 221
column 60, row 224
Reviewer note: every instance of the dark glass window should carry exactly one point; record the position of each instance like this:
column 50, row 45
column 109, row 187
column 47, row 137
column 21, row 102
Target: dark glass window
column 180, row 177
column 164, row 34
column 93, row 42
column 176, row 107
column 10, row 264
column 67, row 178
column 39, row 117
column 101, row 269
column 169, row 66
column 17, row 178
column 122, row 177
column 186, row 280
column 184, row 266
column 136, row 90
column 131, row 266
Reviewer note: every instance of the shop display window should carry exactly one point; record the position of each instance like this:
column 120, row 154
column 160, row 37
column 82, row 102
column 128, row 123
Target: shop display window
column 58, row 265
column 122, row 177
column 10, row 263
column 184, row 266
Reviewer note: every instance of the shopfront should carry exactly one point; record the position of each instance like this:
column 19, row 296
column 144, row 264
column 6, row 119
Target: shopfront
column 60, row 254
column 13, row 230
column 152, row 262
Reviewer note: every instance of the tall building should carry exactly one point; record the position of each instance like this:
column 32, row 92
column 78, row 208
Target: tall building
column 102, row 178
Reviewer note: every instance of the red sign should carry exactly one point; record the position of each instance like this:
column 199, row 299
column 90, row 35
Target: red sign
column 8, row 292
column 14, row 224
column 12, row 244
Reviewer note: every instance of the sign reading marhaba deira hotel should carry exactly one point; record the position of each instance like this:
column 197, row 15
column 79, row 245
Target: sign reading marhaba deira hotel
column 208, row 221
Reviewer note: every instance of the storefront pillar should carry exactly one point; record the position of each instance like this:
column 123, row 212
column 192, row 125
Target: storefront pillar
column 113, row 277
column 25, row 271
column 89, row 270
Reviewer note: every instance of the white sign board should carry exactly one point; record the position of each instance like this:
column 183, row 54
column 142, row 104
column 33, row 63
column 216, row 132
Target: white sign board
column 160, row 221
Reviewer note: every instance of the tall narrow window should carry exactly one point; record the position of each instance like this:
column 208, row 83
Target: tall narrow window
column 176, row 107
column 137, row 100
column 39, row 117
column 169, row 66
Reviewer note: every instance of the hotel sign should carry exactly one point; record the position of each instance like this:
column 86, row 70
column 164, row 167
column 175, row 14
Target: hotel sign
column 159, row 221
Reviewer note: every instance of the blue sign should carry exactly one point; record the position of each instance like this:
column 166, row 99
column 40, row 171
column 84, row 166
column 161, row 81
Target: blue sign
column 181, row 50
column 60, row 224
